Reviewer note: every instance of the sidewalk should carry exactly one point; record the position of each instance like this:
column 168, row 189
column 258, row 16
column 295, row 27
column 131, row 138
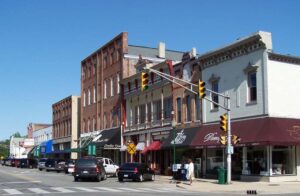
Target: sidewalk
column 236, row 187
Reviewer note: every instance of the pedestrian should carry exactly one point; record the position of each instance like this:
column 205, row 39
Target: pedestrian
column 191, row 170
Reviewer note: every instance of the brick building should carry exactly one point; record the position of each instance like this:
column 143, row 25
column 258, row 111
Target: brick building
column 66, row 123
column 101, row 73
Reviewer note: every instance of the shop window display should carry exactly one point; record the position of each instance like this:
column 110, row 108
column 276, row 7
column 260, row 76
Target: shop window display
column 283, row 160
column 256, row 163
column 214, row 160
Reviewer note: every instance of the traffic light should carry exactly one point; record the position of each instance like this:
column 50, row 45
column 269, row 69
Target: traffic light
column 235, row 139
column 223, row 122
column 144, row 81
column 202, row 89
column 223, row 139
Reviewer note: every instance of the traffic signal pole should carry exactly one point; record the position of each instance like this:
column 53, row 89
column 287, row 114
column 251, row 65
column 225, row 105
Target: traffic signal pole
column 229, row 146
column 229, row 149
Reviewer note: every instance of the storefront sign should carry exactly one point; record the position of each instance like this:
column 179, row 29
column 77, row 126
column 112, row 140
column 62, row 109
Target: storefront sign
column 98, row 139
column 211, row 137
column 180, row 138
column 111, row 146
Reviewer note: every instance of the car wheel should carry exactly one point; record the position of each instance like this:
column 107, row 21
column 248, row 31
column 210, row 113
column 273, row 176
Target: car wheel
column 98, row 178
column 104, row 177
column 120, row 179
column 152, row 177
column 75, row 179
column 58, row 171
column 47, row 170
column 141, row 178
column 40, row 169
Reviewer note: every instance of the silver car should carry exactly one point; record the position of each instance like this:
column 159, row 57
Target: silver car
column 41, row 164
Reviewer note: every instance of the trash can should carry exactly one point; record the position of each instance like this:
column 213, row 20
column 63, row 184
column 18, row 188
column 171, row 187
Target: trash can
column 222, row 177
column 183, row 174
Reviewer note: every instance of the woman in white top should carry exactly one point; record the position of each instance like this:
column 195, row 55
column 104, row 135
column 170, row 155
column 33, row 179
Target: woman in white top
column 191, row 171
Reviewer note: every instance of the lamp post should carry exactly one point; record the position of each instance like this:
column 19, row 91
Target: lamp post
column 174, row 146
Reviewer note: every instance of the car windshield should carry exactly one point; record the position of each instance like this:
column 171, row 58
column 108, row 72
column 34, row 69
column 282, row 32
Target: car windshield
column 85, row 162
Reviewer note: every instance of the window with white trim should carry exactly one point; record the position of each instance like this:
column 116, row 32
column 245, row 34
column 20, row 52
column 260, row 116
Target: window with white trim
column 118, row 83
column 89, row 96
column 252, row 90
column 111, row 86
column 105, row 89
column 84, row 98
column 94, row 94
column 215, row 97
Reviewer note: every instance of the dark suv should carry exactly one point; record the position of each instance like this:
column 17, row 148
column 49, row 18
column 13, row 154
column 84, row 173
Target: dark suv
column 89, row 168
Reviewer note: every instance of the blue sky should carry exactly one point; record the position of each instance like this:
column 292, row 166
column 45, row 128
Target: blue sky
column 43, row 42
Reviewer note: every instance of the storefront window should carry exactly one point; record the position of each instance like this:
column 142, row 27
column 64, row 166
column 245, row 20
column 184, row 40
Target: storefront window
column 283, row 160
column 256, row 163
column 214, row 160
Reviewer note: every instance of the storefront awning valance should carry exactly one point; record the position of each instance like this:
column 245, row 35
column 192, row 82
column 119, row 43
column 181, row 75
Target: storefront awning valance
column 155, row 145
column 108, row 139
column 260, row 131
column 183, row 138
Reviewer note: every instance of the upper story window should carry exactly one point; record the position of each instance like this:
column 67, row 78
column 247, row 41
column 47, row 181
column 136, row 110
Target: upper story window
column 118, row 83
column 111, row 86
column 152, row 77
column 94, row 94
column 167, row 108
column 83, row 73
column 252, row 90
column 104, row 121
column 105, row 89
column 129, row 86
column 84, row 98
column 142, row 113
column 94, row 69
column 188, row 108
column 178, row 107
column 105, row 61
column 149, row 112
column 89, row 96
column 215, row 97
column 157, row 110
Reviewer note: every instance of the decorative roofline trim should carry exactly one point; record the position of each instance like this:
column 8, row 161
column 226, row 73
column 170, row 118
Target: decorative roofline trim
column 284, row 58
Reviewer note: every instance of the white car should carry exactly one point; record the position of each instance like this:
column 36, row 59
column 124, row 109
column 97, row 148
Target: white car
column 110, row 167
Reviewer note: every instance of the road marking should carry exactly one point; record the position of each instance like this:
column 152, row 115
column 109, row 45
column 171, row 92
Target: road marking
column 12, row 191
column 21, row 182
column 38, row 190
column 108, row 189
column 156, row 190
column 63, row 190
column 129, row 189
column 86, row 189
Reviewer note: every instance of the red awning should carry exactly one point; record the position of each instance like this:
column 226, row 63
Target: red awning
column 261, row 131
column 155, row 145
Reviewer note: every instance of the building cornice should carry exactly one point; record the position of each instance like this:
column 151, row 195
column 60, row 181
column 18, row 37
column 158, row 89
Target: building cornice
column 284, row 58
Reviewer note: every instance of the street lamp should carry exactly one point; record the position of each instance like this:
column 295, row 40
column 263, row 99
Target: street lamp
column 174, row 146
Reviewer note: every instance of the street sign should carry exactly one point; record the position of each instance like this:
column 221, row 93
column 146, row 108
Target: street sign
column 230, row 150
column 131, row 148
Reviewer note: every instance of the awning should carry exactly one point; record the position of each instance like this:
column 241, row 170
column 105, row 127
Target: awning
column 155, row 145
column 261, row 131
column 183, row 138
column 108, row 139
column 140, row 146
column 60, row 151
column 46, row 147
column 123, row 148
column 31, row 151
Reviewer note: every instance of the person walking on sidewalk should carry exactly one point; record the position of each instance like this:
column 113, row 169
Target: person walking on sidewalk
column 191, row 171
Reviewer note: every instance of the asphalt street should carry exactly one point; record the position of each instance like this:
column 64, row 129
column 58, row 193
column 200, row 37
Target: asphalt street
column 16, row 181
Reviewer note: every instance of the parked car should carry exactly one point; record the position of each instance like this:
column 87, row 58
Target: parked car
column 13, row 162
column 59, row 166
column 89, row 168
column 136, row 172
column 41, row 163
column 110, row 167
column 54, row 165
column 28, row 163
column 69, row 166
